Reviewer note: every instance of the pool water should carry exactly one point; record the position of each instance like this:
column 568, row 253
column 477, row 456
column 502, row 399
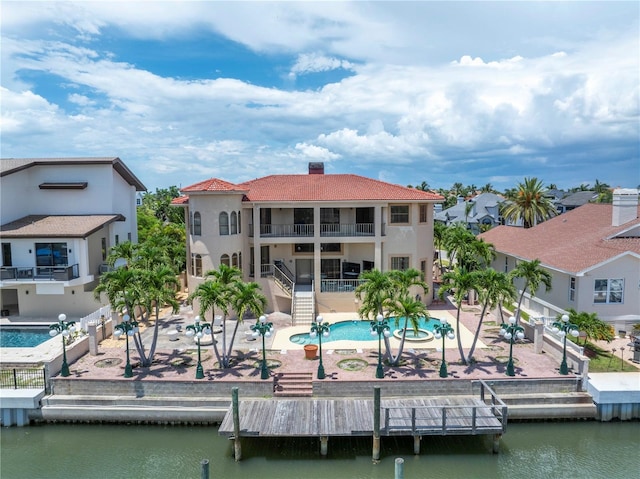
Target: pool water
column 23, row 338
column 358, row 330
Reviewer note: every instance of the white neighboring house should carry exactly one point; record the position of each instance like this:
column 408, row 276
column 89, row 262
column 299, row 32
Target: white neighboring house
column 305, row 238
column 59, row 217
column 592, row 253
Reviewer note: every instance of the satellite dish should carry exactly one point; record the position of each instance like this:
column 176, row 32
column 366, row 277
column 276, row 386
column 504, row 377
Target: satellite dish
column 119, row 263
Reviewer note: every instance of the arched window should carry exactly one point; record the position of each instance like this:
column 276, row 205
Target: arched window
column 191, row 222
column 240, row 261
column 239, row 223
column 197, row 224
column 224, row 223
column 197, row 265
column 224, row 259
column 234, row 259
column 234, row 223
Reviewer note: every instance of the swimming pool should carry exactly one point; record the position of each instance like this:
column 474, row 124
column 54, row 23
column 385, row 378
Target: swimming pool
column 23, row 337
column 358, row 330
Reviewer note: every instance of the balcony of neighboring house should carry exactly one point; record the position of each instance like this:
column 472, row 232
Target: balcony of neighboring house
column 39, row 273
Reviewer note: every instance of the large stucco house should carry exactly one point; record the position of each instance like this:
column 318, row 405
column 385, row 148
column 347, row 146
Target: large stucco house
column 592, row 253
column 305, row 238
column 479, row 213
column 60, row 216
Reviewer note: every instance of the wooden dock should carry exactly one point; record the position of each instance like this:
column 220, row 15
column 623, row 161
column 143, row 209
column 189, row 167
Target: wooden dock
column 324, row 418
column 355, row 417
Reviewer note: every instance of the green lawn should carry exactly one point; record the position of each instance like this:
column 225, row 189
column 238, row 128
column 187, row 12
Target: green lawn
column 603, row 361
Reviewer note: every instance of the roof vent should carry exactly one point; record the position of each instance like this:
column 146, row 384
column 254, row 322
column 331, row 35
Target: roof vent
column 316, row 168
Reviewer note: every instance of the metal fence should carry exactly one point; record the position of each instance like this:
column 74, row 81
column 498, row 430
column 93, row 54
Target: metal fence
column 33, row 378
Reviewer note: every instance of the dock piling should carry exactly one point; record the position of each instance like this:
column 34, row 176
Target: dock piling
column 399, row 471
column 416, row 444
column 237, row 447
column 204, row 473
column 376, row 423
column 324, row 445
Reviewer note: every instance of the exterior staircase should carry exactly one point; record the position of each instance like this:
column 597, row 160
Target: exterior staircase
column 293, row 385
column 303, row 309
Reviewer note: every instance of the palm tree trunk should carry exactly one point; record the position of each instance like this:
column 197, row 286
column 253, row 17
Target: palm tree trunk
column 154, row 341
column 460, row 351
column 517, row 314
column 477, row 334
column 233, row 338
column 395, row 360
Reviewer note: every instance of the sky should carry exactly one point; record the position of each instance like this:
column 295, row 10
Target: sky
column 469, row 92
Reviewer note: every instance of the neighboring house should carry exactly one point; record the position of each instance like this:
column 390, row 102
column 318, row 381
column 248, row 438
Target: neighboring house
column 573, row 200
column 60, row 216
column 555, row 196
column 306, row 238
column 478, row 214
column 592, row 253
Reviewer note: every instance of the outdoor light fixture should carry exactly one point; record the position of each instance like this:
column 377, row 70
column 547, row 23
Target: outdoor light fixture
column 198, row 330
column 320, row 328
column 127, row 327
column 380, row 327
column 443, row 330
column 511, row 332
column 262, row 328
column 65, row 329
column 563, row 327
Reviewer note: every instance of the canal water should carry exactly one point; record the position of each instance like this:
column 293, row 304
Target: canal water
column 528, row 451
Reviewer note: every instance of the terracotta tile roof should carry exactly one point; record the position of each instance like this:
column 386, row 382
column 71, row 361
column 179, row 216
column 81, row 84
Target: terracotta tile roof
column 213, row 184
column 343, row 187
column 180, row 200
column 13, row 165
column 572, row 242
column 56, row 226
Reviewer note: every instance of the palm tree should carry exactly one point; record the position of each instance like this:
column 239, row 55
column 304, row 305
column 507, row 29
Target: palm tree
column 493, row 288
column 220, row 292
column 439, row 232
column 372, row 293
column 591, row 325
column 411, row 311
column 458, row 282
column 159, row 288
column 529, row 205
column 210, row 295
column 534, row 275
column 245, row 297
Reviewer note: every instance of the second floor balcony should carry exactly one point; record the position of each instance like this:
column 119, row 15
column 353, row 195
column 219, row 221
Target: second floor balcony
column 308, row 231
column 39, row 273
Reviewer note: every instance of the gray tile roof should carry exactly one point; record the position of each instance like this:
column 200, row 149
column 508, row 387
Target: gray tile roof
column 56, row 226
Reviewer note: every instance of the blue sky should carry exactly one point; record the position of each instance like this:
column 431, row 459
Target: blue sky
column 405, row 92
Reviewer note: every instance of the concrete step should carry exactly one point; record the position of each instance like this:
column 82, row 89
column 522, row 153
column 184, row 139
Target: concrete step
column 131, row 401
column 296, row 384
column 547, row 398
column 133, row 413
column 552, row 411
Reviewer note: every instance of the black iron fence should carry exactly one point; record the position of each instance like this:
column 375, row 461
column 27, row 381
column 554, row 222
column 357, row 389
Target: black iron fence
column 31, row 378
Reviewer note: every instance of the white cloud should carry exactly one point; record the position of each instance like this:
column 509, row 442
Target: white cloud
column 315, row 62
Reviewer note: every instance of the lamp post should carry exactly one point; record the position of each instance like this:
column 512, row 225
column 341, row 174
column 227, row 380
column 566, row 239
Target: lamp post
column 320, row 328
column 443, row 330
column 127, row 327
column 262, row 328
column 198, row 330
column 563, row 327
column 511, row 332
column 380, row 327
column 64, row 328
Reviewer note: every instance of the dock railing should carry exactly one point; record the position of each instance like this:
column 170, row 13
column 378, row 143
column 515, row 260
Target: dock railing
column 23, row 378
column 474, row 418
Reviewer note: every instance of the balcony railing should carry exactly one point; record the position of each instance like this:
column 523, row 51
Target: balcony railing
column 306, row 231
column 51, row 273
column 354, row 229
column 339, row 285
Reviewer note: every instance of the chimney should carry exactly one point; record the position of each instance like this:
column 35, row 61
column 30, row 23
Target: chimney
column 316, row 168
column 625, row 206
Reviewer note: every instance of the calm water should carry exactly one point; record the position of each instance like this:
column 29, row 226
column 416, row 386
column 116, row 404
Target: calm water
column 23, row 338
column 358, row 331
column 528, row 451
